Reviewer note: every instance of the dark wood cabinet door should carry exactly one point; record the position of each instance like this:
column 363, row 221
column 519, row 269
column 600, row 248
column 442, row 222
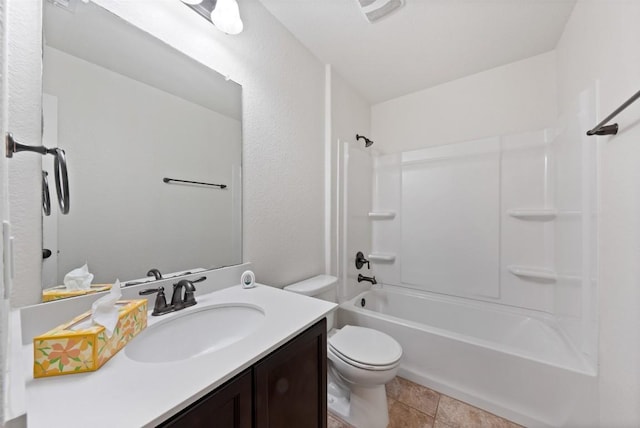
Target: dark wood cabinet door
column 227, row 407
column 291, row 383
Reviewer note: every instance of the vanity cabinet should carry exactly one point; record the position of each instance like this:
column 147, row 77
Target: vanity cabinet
column 291, row 383
column 229, row 406
column 287, row 388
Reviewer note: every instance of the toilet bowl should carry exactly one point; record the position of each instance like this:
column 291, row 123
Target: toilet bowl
column 360, row 362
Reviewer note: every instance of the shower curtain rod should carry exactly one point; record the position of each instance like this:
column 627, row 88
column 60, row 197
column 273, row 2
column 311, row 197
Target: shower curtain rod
column 602, row 128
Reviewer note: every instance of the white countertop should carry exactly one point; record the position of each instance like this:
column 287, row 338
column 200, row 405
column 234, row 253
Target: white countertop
column 127, row 393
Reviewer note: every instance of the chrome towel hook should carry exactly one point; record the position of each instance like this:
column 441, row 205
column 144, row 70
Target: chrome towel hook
column 60, row 168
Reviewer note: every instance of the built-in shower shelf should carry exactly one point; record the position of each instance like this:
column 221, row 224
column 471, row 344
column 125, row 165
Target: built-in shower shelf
column 542, row 214
column 534, row 273
column 382, row 215
column 382, row 258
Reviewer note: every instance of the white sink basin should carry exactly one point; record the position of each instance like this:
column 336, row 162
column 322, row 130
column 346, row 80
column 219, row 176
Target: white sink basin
column 195, row 332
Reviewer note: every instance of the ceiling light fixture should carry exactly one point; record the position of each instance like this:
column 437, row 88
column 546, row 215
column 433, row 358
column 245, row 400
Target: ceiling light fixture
column 375, row 10
column 224, row 14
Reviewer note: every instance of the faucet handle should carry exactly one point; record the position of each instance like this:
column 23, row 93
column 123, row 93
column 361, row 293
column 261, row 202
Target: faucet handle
column 151, row 291
column 361, row 261
column 160, row 307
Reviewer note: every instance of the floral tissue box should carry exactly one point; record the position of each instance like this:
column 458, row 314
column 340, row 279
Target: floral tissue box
column 79, row 346
column 61, row 292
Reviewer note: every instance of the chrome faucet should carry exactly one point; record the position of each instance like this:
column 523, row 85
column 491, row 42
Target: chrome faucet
column 371, row 279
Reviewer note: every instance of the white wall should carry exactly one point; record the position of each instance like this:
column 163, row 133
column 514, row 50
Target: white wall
column 24, row 39
column 124, row 219
column 283, row 124
column 516, row 97
column 12, row 397
column 350, row 115
column 4, row 301
column 598, row 43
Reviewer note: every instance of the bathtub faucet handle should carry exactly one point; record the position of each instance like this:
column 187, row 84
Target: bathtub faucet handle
column 360, row 261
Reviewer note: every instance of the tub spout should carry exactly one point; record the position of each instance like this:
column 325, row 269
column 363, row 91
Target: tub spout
column 371, row 279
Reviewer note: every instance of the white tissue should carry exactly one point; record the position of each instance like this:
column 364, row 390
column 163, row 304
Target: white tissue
column 104, row 310
column 78, row 279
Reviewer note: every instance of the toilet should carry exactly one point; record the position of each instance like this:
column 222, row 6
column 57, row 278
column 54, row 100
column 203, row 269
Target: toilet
column 361, row 361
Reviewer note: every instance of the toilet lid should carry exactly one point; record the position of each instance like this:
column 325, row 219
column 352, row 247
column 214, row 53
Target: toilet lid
column 366, row 346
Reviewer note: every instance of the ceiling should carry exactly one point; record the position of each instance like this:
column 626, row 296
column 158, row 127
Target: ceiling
column 423, row 44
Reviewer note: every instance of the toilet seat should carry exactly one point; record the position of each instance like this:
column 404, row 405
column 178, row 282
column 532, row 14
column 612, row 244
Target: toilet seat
column 346, row 360
column 365, row 348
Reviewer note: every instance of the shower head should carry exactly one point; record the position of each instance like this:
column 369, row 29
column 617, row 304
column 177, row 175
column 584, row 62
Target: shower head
column 367, row 142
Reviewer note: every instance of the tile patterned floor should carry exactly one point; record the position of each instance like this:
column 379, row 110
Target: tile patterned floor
column 414, row 406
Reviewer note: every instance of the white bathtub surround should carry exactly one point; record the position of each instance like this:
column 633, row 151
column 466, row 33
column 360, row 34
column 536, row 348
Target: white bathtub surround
column 475, row 199
column 450, row 239
column 492, row 287
column 519, row 366
column 608, row 29
column 350, row 115
column 507, row 220
column 356, row 170
column 503, row 229
column 460, row 224
column 382, row 257
column 382, row 215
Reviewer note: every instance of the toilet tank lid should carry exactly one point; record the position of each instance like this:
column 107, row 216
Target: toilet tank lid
column 313, row 286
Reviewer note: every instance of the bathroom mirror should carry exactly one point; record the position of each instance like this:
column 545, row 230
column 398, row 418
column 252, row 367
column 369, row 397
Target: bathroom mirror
column 131, row 111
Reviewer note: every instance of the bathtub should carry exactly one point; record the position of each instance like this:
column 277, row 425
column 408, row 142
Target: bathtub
column 511, row 362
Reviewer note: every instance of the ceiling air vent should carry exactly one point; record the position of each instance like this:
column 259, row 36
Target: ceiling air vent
column 374, row 10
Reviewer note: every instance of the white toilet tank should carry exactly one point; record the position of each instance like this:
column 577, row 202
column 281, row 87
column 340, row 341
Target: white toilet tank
column 323, row 287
